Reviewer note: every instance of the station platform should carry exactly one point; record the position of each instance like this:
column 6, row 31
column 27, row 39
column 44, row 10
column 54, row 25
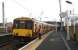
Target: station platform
column 58, row 41
column 52, row 41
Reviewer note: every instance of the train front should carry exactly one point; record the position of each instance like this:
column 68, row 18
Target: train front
column 22, row 28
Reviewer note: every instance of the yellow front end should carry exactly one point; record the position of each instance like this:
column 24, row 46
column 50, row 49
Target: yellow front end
column 22, row 32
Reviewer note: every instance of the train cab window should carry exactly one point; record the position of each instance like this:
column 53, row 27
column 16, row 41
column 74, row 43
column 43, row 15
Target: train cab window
column 16, row 24
column 23, row 24
column 29, row 25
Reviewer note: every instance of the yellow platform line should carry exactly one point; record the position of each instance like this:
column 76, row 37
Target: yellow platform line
column 35, row 43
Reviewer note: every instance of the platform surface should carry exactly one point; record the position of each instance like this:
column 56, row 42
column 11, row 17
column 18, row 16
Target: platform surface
column 53, row 42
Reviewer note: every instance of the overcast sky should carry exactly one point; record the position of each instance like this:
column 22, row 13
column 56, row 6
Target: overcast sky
column 47, row 10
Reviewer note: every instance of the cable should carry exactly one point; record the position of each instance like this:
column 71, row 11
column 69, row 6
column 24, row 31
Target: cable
column 20, row 5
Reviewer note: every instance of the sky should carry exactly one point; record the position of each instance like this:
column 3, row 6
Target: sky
column 44, row 10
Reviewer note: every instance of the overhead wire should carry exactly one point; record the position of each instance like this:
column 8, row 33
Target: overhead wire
column 21, row 5
column 30, row 14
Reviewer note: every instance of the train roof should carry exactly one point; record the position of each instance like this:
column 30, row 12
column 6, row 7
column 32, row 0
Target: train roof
column 23, row 18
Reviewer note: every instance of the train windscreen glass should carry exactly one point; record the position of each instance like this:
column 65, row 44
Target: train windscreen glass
column 23, row 24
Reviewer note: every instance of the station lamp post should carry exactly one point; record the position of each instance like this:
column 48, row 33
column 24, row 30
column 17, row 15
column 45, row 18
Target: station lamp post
column 60, row 14
column 68, row 35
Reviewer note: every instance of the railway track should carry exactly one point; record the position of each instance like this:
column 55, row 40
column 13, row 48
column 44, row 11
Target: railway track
column 8, row 43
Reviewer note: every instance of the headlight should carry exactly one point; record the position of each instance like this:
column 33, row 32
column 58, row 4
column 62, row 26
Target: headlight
column 16, row 34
